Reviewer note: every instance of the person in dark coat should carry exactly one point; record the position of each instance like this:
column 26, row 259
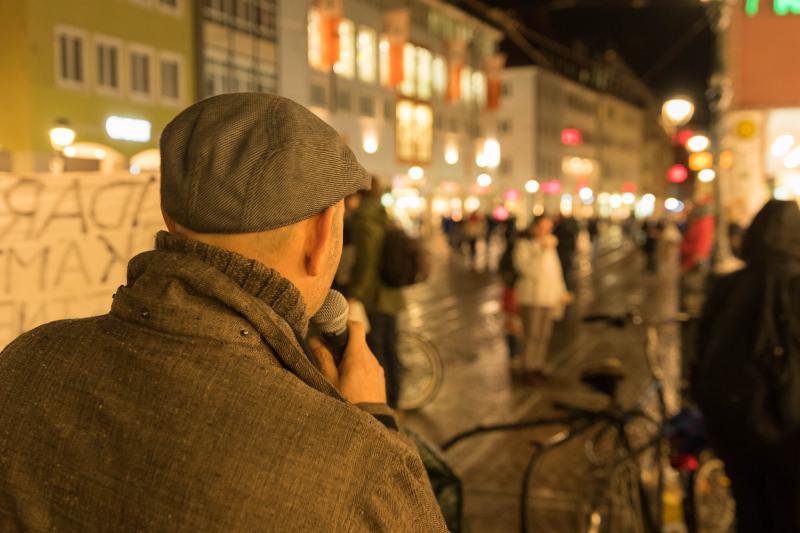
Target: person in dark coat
column 747, row 377
column 566, row 231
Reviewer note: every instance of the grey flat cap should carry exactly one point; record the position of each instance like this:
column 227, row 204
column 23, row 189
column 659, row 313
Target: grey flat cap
column 247, row 162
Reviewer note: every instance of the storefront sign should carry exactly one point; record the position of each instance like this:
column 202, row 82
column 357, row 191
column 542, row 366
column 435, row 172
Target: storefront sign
column 780, row 7
column 65, row 242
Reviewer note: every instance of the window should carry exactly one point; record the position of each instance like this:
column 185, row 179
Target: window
column 173, row 7
column 504, row 126
column 366, row 106
column 424, row 60
column 384, row 61
column 414, row 132
column 141, row 65
column 343, row 100
column 479, row 88
column 439, row 76
column 319, row 96
column 388, row 109
column 70, row 61
column 466, row 84
column 408, row 86
column 108, row 59
column 170, row 71
column 315, row 40
column 346, row 66
column 366, row 55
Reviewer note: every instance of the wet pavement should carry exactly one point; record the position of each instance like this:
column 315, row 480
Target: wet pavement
column 458, row 309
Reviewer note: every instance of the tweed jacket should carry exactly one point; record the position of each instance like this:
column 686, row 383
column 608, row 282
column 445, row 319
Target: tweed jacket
column 193, row 406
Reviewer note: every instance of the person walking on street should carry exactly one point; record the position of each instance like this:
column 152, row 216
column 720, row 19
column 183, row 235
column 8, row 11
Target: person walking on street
column 382, row 303
column 199, row 402
column 541, row 294
column 566, row 231
column 474, row 229
column 747, row 376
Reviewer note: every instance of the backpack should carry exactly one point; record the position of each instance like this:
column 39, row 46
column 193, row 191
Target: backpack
column 747, row 379
column 404, row 260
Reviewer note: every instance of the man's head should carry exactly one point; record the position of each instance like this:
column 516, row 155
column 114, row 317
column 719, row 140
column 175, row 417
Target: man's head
column 541, row 226
column 264, row 177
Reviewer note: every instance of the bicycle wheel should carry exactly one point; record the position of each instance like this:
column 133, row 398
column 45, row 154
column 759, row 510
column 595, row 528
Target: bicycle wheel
column 585, row 485
column 715, row 507
column 421, row 371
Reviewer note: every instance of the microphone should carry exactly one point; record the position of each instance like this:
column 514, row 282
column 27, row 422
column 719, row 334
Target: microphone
column 331, row 322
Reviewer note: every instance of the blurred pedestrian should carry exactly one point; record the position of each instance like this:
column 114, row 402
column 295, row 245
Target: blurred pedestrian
column 651, row 232
column 541, row 293
column 474, row 228
column 512, row 319
column 198, row 403
column 747, row 377
column 344, row 272
column 382, row 303
column 566, row 231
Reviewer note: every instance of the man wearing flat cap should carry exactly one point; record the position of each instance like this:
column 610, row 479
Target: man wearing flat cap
column 196, row 403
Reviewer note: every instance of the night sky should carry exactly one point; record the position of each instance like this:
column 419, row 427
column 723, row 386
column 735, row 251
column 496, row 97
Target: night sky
column 645, row 37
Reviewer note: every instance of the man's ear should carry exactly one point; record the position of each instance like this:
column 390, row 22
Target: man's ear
column 318, row 241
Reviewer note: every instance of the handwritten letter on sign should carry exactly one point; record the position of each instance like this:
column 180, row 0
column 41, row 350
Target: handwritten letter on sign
column 65, row 242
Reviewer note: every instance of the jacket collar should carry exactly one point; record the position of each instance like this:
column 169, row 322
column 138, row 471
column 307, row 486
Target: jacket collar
column 254, row 277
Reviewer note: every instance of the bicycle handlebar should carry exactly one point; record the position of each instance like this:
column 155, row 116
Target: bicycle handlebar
column 620, row 321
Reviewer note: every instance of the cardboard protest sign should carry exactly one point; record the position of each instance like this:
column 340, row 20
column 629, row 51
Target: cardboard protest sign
column 65, row 241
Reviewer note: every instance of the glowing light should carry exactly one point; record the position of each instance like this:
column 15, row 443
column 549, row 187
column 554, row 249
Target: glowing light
column 782, row 193
column 100, row 153
column 698, row 143
column 387, row 200
column 615, row 201
column 480, row 160
column 455, row 204
column 370, row 143
column 782, row 145
column 70, row 151
column 674, row 205
column 511, row 195
column 628, row 198
column 586, row 195
column 551, row 187
column 538, row 210
column 135, row 169
column 532, row 186
column 472, row 203
column 61, row 137
column 571, row 136
column 701, row 160
column 128, row 129
column 648, row 199
column 677, row 111
column 451, row 154
column 566, row 204
column 792, row 160
column 491, row 150
column 484, row 180
column 603, row 197
column 677, row 173
column 500, row 213
column 416, row 173
column 439, row 206
column 706, row 175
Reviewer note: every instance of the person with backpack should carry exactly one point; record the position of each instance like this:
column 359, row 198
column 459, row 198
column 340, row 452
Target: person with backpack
column 746, row 379
column 386, row 260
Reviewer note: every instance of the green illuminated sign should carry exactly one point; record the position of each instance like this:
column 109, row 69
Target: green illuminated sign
column 781, row 7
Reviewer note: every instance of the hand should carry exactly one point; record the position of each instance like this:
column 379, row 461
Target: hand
column 359, row 377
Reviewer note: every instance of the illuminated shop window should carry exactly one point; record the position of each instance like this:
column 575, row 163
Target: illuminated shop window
column 424, row 61
column 315, row 39
column 439, row 76
column 366, row 55
column 346, row 66
column 479, row 88
column 414, row 132
column 383, row 60
column 408, row 87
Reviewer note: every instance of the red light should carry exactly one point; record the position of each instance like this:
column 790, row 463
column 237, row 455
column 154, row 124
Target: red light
column 500, row 213
column 629, row 186
column 571, row 136
column 511, row 195
column 677, row 173
column 551, row 187
column 683, row 136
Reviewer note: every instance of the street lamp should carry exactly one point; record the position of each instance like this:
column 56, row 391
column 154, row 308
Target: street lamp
column 60, row 138
column 698, row 143
column 677, row 111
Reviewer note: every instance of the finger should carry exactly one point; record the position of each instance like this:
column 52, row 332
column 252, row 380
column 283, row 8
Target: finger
column 327, row 365
column 357, row 330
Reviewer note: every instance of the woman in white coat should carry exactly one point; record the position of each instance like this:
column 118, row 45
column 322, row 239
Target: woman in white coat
column 541, row 293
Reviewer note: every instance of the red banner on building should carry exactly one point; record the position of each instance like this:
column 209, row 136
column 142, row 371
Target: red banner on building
column 330, row 12
column 494, row 80
column 397, row 25
column 456, row 56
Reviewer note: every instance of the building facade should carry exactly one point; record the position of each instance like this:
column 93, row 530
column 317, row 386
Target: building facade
column 406, row 85
column 583, row 149
column 760, row 127
column 112, row 72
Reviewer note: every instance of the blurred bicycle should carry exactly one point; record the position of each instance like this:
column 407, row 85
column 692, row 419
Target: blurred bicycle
column 421, row 371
